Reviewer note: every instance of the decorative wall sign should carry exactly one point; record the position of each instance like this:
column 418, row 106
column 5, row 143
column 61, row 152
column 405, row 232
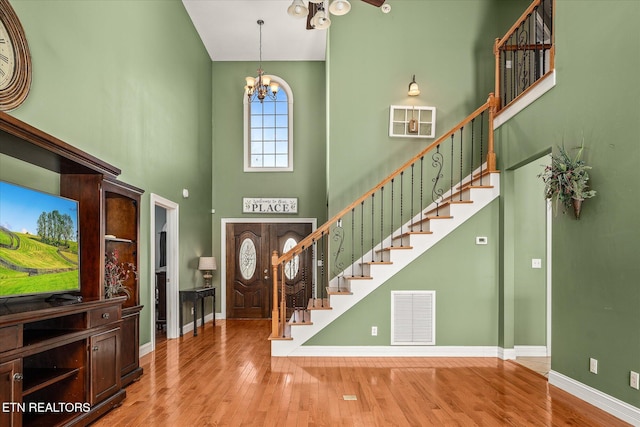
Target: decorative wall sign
column 261, row 205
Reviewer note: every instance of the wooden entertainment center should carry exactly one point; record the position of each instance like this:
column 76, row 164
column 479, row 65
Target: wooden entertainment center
column 60, row 363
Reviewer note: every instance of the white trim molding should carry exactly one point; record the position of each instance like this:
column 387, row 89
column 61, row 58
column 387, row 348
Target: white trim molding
column 395, row 351
column 542, row 86
column 531, row 350
column 610, row 404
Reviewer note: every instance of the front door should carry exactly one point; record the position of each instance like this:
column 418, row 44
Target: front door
column 249, row 281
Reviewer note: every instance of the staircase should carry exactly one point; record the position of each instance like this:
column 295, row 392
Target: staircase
column 420, row 234
column 383, row 231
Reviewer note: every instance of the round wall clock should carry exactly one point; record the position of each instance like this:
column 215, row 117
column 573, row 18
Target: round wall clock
column 15, row 59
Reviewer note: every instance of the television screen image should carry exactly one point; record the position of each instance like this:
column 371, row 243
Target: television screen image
column 38, row 242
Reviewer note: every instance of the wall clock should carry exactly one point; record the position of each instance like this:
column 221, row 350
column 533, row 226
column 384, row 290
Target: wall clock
column 15, row 59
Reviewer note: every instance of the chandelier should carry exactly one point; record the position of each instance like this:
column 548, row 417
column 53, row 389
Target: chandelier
column 318, row 18
column 260, row 86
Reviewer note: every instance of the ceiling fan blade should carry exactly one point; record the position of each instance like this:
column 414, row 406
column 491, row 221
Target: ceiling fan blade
column 376, row 3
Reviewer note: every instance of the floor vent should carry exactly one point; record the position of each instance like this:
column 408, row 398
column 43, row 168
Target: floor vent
column 413, row 317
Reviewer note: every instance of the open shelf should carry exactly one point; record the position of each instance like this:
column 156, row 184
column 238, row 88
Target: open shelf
column 39, row 378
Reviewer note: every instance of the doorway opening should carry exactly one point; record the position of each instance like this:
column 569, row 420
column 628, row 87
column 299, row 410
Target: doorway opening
column 163, row 295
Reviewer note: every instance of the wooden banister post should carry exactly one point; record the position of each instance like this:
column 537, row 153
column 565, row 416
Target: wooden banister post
column 275, row 330
column 496, row 53
column 491, row 154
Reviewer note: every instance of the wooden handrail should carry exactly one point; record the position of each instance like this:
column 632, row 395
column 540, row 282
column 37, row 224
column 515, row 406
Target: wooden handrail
column 517, row 24
column 320, row 231
column 500, row 46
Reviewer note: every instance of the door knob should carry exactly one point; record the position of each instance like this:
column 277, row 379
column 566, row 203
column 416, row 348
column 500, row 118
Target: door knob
column 266, row 270
column 18, row 376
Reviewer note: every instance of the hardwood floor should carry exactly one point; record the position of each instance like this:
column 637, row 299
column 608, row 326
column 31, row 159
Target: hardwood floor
column 226, row 377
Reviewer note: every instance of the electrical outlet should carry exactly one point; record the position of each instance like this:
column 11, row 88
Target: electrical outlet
column 634, row 380
column 192, row 312
column 536, row 263
column 374, row 331
column 593, row 365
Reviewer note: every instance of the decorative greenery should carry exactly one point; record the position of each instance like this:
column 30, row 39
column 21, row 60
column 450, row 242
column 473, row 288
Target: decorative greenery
column 566, row 179
column 116, row 274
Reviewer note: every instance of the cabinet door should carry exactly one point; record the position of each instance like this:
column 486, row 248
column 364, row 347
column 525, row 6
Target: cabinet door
column 104, row 358
column 11, row 392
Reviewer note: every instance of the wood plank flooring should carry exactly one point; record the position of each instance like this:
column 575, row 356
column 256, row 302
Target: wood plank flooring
column 226, row 377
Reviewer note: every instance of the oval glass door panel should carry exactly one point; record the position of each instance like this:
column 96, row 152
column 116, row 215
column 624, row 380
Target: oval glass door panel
column 247, row 257
column 291, row 268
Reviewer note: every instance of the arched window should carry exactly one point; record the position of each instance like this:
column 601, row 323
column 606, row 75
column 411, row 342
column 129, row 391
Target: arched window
column 268, row 132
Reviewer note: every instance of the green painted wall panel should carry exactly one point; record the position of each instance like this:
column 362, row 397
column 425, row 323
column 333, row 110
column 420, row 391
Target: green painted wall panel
column 129, row 82
column 594, row 260
column 529, row 209
column 372, row 58
column 466, row 298
column 306, row 182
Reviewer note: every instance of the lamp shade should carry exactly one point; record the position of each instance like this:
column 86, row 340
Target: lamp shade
column 320, row 21
column 207, row 263
column 414, row 90
column 297, row 9
column 339, row 7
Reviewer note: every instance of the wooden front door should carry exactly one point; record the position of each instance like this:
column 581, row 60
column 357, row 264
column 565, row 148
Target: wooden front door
column 249, row 281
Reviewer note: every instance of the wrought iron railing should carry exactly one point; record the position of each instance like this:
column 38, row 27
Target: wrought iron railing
column 526, row 52
column 380, row 221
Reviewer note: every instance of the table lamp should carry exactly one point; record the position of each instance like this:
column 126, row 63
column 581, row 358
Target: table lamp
column 207, row 264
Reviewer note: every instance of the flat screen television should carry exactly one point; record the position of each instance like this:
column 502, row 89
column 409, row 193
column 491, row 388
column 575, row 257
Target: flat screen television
column 38, row 242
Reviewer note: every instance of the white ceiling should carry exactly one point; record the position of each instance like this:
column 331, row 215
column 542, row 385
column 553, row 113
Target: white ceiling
column 229, row 31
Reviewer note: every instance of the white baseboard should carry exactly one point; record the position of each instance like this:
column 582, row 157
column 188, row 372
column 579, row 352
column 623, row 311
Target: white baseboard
column 188, row 327
column 506, row 353
column 613, row 406
column 530, row 350
column 145, row 349
column 396, row 351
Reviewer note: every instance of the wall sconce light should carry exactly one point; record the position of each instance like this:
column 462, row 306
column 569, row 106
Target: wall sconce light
column 207, row 265
column 414, row 90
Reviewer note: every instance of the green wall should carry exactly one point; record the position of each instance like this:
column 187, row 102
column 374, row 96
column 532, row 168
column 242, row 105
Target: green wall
column 306, row 182
column 529, row 241
column 595, row 291
column 371, row 60
column 128, row 82
column 466, row 298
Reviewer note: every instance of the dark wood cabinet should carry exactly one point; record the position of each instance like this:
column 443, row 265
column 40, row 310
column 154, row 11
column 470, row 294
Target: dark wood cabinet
column 121, row 215
column 104, row 358
column 10, row 378
column 83, row 353
column 66, row 354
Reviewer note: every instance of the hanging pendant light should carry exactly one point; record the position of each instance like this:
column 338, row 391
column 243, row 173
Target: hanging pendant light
column 339, row 7
column 260, row 86
column 320, row 20
column 298, row 9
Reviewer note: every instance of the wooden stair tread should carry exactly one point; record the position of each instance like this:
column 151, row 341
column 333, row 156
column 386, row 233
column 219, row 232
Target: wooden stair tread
column 408, row 233
column 319, row 304
column 358, row 277
column 279, row 338
column 477, row 176
column 377, row 263
column 332, row 290
column 430, row 217
column 392, row 248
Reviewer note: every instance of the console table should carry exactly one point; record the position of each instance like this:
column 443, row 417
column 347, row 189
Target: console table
column 194, row 295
